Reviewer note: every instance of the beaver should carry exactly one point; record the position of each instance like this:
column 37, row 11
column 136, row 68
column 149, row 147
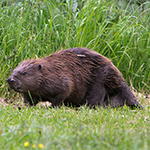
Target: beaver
column 72, row 77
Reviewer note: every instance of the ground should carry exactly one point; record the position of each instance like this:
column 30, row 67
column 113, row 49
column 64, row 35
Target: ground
column 141, row 98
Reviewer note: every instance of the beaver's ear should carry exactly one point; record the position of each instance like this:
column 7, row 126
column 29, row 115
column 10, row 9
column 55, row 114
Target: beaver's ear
column 40, row 67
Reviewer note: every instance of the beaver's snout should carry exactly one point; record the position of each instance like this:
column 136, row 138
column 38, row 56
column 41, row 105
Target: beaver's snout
column 10, row 80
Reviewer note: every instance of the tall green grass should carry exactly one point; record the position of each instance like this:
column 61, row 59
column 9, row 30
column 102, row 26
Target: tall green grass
column 31, row 29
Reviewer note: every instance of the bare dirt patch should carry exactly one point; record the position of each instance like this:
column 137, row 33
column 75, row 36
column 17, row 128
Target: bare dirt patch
column 18, row 104
column 3, row 102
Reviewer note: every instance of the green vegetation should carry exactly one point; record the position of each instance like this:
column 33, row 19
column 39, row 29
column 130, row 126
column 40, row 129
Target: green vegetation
column 35, row 29
column 66, row 129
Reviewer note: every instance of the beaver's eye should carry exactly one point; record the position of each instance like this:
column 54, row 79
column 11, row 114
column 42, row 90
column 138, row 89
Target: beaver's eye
column 24, row 73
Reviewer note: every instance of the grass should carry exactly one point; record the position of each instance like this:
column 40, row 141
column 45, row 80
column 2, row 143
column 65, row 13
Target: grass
column 35, row 29
column 66, row 128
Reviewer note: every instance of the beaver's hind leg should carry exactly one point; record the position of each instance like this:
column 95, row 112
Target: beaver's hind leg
column 123, row 96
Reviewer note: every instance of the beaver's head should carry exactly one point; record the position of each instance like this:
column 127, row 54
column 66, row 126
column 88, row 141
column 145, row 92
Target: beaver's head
column 26, row 76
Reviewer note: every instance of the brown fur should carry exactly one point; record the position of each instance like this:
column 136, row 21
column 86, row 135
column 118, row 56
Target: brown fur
column 73, row 77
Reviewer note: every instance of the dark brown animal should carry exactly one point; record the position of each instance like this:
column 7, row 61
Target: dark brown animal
column 73, row 77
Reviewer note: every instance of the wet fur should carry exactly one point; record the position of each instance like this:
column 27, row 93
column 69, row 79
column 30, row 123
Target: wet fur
column 73, row 77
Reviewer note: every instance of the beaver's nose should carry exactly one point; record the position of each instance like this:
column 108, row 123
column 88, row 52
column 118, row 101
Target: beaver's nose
column 10, row 80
